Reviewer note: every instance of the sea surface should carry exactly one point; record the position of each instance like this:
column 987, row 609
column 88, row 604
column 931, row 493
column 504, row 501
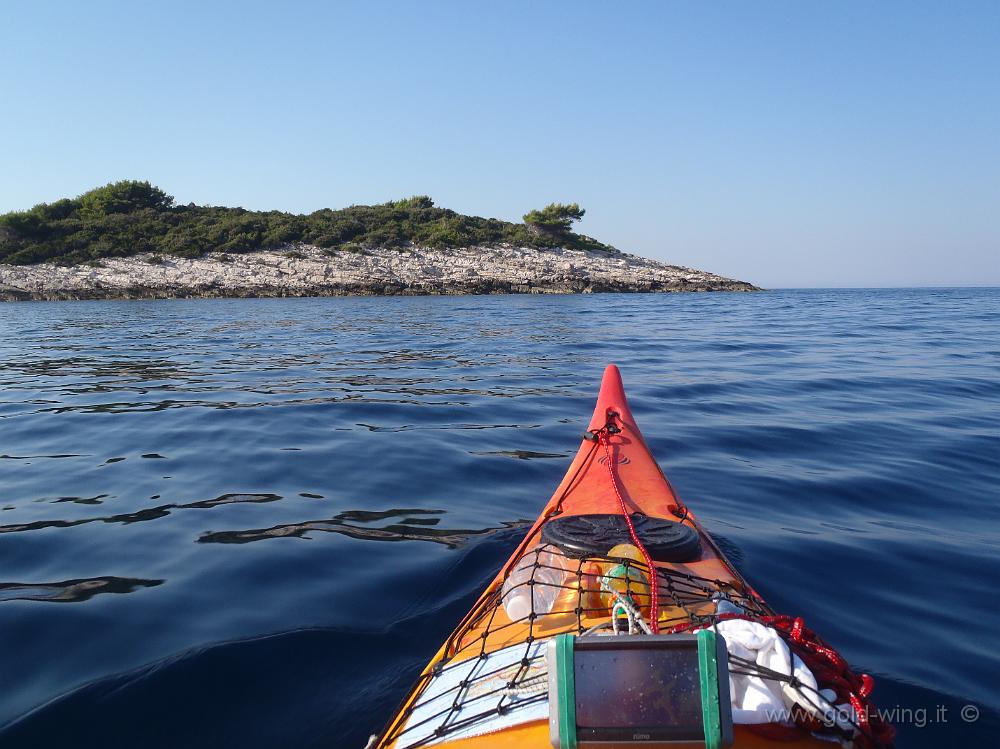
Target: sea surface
column 251, row 522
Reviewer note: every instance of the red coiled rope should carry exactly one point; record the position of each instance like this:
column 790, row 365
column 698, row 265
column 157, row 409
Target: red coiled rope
column 830, row 669
column 654, row 589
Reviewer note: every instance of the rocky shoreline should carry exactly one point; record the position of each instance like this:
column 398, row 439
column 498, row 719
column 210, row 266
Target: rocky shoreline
column 304, row 270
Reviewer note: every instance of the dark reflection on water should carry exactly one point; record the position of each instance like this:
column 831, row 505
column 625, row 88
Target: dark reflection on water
column 150, row 513
column 37, row 457
column 448, row 427
column 72, row 591
column 844, row 446
column 404, row 530
column 522, row 454
column 95, row 500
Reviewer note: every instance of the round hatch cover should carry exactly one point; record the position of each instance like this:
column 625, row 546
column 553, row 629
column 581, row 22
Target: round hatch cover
column 595, row 535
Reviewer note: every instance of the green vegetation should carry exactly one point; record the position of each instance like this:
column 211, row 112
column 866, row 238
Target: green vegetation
column 555, row 218
column 128, row 218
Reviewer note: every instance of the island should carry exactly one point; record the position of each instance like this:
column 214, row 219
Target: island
column 130, row 240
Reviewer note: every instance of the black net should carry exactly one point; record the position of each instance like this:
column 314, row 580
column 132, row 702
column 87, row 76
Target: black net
column 542, row 595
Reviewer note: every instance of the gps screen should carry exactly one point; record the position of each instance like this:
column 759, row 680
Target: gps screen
column 625, row 693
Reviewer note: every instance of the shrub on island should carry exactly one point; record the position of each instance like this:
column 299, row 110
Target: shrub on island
column 131, row 217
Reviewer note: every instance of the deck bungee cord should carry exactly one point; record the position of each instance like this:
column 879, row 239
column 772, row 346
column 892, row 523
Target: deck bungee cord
column 603, row 436
column 618, row 566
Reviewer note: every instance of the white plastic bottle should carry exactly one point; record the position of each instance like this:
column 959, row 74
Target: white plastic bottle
column 549, row 577
column 724, row 606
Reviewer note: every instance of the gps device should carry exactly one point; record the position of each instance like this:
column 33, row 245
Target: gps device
column 668, row 691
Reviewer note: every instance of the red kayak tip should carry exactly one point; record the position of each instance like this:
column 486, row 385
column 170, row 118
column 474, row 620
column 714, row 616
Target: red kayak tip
column 612, row 396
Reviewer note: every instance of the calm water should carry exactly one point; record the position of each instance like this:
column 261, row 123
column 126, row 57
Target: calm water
column 243, row 522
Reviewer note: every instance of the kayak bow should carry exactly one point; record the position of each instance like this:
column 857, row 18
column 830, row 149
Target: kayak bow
column 486, row 685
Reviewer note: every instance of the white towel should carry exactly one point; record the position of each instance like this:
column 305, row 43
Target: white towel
column 757, row 699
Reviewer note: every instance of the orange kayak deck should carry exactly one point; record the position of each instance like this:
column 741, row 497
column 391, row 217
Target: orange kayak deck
column 686, row 591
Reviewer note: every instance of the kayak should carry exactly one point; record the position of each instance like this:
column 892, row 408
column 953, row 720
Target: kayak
column 582, row 575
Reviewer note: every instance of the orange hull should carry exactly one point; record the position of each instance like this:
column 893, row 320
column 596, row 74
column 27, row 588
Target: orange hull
column 586, row 489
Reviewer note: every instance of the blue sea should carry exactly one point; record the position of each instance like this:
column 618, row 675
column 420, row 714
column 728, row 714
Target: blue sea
column 251, row 522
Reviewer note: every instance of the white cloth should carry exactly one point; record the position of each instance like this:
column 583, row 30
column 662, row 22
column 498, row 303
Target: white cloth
column 757, row 699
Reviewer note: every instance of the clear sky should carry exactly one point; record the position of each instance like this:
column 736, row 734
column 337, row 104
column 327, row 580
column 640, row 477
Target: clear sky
column 786, row 143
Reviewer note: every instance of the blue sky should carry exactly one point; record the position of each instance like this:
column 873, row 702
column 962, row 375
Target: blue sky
column 785, row 143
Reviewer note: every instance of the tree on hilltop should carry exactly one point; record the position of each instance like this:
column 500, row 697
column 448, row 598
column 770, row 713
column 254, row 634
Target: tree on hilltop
column 555, row 218
column 123, row 197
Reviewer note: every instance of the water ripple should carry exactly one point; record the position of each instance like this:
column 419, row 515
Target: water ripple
column 407, row 529
column 850, row 439
column 149, row 513
column 72, row 591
